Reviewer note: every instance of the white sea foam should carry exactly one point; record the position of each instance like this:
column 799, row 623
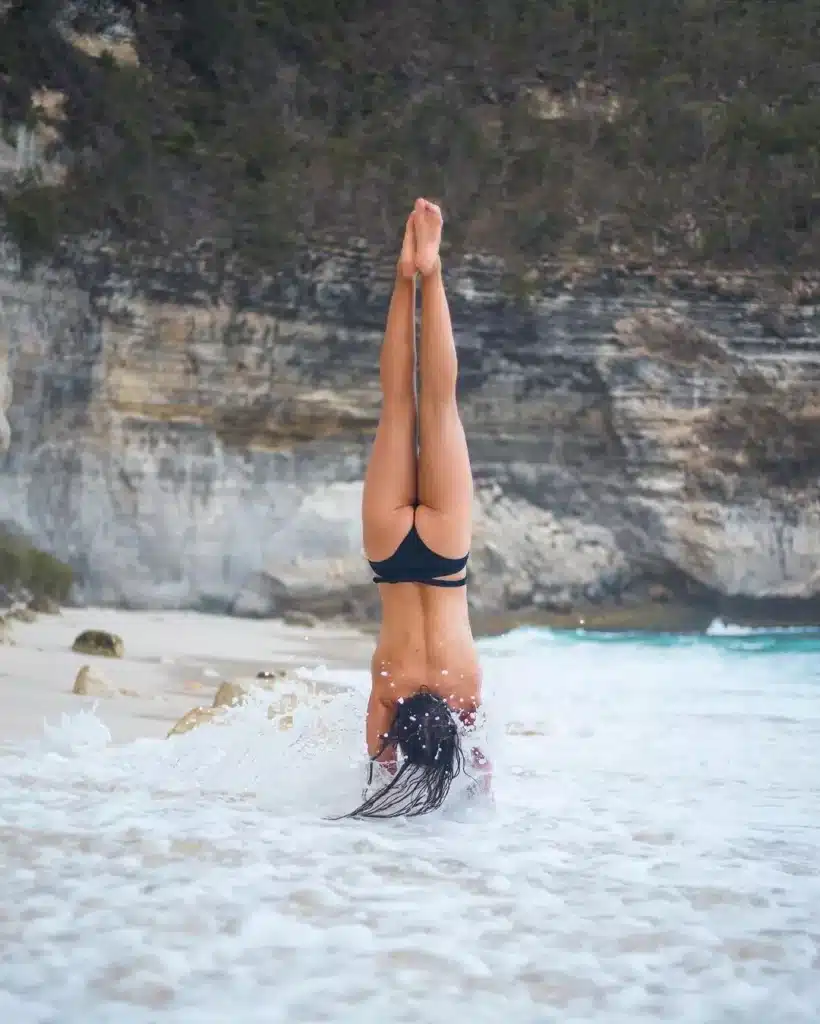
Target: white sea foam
column 720, row 628
column 652, row 856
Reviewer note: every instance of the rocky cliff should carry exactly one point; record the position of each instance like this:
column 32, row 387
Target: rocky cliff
column 183, row 439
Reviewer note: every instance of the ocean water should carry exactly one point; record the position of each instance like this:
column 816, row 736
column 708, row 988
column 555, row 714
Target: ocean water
column 652, row 855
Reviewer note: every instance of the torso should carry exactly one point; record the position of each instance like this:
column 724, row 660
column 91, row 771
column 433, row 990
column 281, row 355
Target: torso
column 426, row 640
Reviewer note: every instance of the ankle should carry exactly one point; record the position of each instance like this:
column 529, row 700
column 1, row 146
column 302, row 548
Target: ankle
column 433, row 272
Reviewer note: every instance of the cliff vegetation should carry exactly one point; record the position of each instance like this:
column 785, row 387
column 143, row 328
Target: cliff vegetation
column 25, row 568
column 686, row 131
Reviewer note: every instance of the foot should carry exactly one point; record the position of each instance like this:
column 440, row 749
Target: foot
column 427, row 221
column 407, row 259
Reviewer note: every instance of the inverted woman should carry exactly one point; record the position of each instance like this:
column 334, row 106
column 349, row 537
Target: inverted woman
column 417, row 526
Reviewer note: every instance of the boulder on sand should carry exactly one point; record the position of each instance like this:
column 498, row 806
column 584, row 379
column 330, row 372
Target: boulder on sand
column 87, row 684
column 97, row 642
column 191, row 719
column 230, row 694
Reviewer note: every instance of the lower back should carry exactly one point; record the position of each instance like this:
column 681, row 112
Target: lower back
column 425, row 640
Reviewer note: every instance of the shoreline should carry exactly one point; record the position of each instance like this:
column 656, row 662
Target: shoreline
column 662, row 616
column 173, row 662
column 685, row 618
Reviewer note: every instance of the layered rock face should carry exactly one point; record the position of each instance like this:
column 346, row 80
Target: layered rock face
column 630, row 436
column 5, row 399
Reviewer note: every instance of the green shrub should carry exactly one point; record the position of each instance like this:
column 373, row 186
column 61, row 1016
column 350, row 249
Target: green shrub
column 22, row 565
column 690, row 127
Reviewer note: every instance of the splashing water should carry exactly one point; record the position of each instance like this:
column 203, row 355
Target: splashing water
column 652, row 855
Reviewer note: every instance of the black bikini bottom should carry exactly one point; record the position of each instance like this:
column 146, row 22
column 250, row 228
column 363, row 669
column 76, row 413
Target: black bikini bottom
column 414, row 562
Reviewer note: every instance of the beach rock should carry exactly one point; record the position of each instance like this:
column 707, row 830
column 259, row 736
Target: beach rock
column 89, row 684
column 194, row 718
column 280, row 711
column 100, row 643
column 6, row 632
column 230, row 694
column 303, row 620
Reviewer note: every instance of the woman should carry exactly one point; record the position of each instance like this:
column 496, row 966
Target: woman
column 416, row 512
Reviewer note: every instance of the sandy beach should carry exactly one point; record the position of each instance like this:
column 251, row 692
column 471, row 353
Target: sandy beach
column 173, row 661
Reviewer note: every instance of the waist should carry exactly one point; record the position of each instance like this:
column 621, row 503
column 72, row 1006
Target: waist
column 415, row 613
column 422, row 656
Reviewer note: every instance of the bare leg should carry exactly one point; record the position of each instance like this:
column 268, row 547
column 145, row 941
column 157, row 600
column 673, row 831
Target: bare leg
column 390, row 480
column 444, row 516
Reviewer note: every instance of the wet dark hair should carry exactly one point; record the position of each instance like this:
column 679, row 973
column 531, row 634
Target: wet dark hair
column 425, row 732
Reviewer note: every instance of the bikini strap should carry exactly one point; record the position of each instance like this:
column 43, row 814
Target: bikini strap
column 446, row 583
column 427, row 583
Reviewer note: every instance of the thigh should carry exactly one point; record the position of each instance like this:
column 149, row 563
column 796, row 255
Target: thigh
column 390, row 482
column 445, row 494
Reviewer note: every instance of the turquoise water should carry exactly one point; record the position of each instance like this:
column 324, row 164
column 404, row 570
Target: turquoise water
column 726, row 638
column 652, row 856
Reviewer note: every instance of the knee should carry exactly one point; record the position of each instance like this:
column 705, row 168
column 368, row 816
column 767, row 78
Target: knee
column 440, row 391
column 441, row 407
column 397, row 406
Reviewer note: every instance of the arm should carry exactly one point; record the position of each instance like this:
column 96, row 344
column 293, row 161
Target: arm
column 479, row 762
column 379, row 720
